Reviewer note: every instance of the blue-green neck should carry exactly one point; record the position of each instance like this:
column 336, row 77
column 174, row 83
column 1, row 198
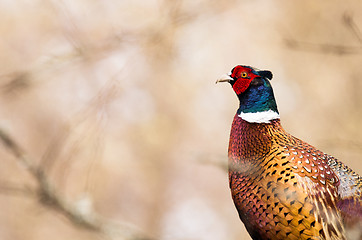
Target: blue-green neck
column 258, row 98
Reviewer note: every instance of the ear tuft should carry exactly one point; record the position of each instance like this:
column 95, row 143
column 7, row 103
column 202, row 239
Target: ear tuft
column 266, row 74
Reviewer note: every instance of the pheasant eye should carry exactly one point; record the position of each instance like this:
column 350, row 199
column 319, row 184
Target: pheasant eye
column 244, row 74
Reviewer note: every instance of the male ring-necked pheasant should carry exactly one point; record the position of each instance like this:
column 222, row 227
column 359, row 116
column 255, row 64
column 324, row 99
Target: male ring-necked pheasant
column 282, row 187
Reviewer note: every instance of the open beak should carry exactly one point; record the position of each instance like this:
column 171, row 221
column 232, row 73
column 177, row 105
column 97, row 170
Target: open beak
column 224, row 78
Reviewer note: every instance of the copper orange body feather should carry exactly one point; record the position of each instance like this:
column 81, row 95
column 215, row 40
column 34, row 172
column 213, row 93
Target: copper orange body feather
column 282, row 187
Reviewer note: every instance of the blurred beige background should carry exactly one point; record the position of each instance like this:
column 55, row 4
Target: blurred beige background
column 115, row 103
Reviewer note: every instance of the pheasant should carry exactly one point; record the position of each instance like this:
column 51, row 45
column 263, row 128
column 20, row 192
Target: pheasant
column 282, row 187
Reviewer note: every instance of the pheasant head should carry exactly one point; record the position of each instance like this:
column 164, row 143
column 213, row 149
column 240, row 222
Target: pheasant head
column 252, row 86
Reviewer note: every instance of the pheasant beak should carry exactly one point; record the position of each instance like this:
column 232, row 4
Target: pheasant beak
column 224, row 78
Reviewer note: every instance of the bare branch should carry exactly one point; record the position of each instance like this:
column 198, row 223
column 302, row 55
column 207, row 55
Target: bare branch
column 50, row 198
column 330, row 48
column 324, row 48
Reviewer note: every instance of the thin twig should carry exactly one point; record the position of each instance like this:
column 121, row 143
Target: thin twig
column 349, row 21
column 337, row 49
column 49, row 197
column 13, row 189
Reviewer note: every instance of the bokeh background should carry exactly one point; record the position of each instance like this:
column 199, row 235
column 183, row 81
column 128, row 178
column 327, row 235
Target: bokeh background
column 113, row 104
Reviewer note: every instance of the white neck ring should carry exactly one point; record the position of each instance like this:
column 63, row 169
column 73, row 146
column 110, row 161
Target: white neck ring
column 259, row 117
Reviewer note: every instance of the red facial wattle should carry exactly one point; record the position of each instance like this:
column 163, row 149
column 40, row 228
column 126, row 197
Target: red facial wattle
column 241, row 85
column 243, row 77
